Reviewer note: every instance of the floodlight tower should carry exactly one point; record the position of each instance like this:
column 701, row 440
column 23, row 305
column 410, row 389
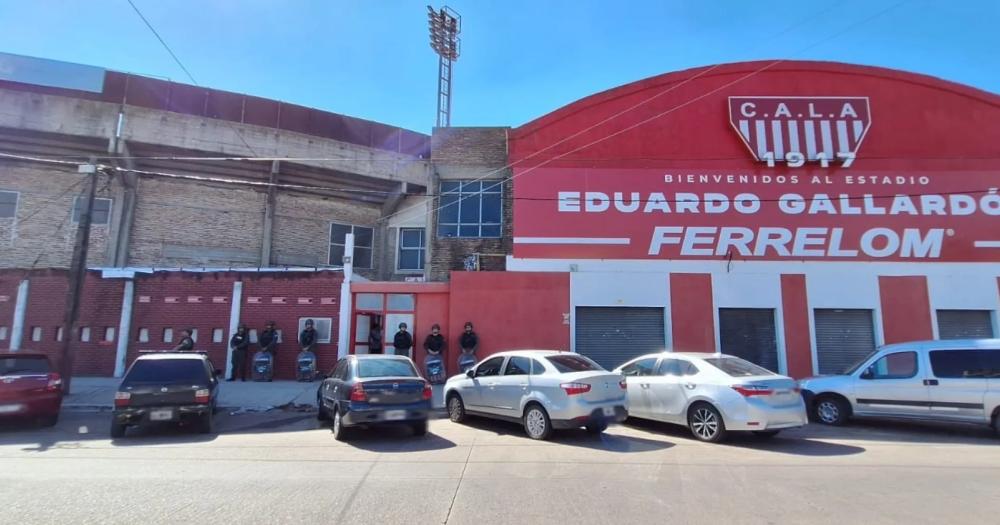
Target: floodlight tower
column 445, row 25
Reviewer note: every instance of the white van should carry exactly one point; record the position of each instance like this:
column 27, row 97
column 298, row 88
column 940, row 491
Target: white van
column 954, row 380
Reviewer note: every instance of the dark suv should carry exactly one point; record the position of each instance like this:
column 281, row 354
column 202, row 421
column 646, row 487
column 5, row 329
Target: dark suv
column 167, row 387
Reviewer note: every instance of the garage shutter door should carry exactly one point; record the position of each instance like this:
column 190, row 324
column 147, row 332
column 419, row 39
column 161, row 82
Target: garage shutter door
column 613, row 335
column 749, row 333
column 964, row 324
column 842, row 338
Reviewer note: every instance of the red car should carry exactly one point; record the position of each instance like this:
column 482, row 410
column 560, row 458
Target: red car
column 29, row 389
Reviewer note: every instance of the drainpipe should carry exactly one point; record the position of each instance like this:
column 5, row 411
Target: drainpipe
column 344, row 324
column 20, row 310
column 124, row 328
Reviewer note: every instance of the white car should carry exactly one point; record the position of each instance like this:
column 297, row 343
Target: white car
column 712, row 394
column 541, row 389
column 947, row 381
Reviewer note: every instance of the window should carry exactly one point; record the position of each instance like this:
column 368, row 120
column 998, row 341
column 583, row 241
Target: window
column 470, row 208
column 101, row 214
column 965, row 363
column 167, row 371
column 323, row 326
column 385, row 368
column 573, row 363
column 669, row 367
column 901, row 365
column 253, row 335
column 85, row 334
column 400, row 302
column 642, row 367
column 363, row 240
column 687, row 368
column 109, row 334
column 340, row 371
column 36, row 333
column 8, row 204
column 168, row 335
column 411, row 249
column 24, row 365
column 490, row 367
column 194, row 334
column 369, row 301
column 217, row 335
column 518, row 366
column 3, row 333
column 59, row 334
column 737, row 367
column 144, row 335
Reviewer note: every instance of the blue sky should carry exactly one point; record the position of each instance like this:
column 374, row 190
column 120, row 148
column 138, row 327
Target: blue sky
column 520, row 59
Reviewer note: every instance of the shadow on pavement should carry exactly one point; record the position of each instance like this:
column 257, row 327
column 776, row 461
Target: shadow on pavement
column 575, row 437
column 787, row 442
column 912, row 432
column 394, row 439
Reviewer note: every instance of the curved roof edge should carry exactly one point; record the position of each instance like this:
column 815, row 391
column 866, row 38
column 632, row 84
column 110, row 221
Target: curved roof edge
column 749, row 67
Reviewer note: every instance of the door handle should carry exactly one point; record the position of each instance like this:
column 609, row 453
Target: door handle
column 690, row 386
column 644, row 385
column 930, row 382
column 524, row 385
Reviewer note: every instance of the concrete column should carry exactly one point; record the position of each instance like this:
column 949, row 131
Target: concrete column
column 124, row 329
column 20, row 311
column 344, row 326
column 234, row 323
column 268, row 232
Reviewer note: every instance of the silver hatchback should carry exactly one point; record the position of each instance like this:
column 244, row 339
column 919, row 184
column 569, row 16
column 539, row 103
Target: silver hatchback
column 542, row 389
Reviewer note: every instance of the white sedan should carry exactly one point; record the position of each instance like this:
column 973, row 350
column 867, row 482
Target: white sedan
column 712, row 394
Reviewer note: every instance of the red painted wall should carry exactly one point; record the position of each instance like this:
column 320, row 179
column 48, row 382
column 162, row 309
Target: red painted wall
column 692, row 312
column 795, row 318
column 906, row 310
column 433, row 308
column 509, row 310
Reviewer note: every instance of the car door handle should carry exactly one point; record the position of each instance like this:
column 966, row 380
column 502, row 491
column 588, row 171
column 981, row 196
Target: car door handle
column 524, row 385
column 644, row 385
column 930, row 382
column 690, row 386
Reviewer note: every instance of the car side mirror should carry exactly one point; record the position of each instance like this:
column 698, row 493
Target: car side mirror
column 867, row 374
column 470, row 373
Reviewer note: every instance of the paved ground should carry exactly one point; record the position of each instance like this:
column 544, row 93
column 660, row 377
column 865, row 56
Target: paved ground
column 280, row 467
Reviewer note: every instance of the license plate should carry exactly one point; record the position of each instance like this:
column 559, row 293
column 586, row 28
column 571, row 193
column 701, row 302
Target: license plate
column 161, row 415
column 9, row 409
column 609, row 411
column 395, row 415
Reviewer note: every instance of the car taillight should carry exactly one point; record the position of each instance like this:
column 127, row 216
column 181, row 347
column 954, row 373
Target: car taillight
column 753, row 390
column 55, row 382
column 573, row 389
column 122, row 399
column 358, row 393
column 428, row 393
column 623, row 384
column 202, row 395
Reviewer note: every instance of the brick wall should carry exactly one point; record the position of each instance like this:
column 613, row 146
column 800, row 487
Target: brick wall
column 43, row 232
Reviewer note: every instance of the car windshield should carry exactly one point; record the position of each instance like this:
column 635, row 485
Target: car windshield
column 24, row 365
column 737, row 367
column 167, row 371
column 572, row 363
column 368, row 368
column 857, row 364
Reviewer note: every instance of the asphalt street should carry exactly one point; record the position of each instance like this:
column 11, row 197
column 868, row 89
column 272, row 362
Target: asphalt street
column 282, row 467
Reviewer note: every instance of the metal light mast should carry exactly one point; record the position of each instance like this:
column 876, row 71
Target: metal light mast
column 445, row 25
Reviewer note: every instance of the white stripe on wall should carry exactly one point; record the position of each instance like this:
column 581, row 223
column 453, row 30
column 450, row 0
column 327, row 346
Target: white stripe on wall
column 827, row 133
column 810, row 140
column 777, row 136
column 793, row 136
column 761, row 138
column 571, row 240
column 859, row 128
column 745, row 129
column 843, row 145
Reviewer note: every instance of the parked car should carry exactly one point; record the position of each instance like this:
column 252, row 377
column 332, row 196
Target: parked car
column 29, row 389
column 377, row 389
column 167, row 387
column 541, row 389
column 951, row 381
column 712, row 394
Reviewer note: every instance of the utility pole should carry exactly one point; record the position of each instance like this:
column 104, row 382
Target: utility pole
column 77, row 274
column 445, row 25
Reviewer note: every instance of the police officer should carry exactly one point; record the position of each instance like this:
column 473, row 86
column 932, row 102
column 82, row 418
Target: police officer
column 240, row 342
column 187, row 342
column 403, row 341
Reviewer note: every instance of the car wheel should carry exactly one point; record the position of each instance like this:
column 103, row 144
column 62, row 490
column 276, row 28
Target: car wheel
column 456, row 408
column 419, row 428
column 597, row 427
column 996, row 424
column 117, row 430
column 339, row 432
column 537, row 423
column 206, row 424
column 49, row 421
column 831, row 410
column 706, row 423
column 766, row 434
column 321, row 413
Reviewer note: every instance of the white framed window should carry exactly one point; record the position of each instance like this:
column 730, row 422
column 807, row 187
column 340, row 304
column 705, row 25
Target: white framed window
column 101, row 214
column 109, row 334
column 216, row 335
column 168, row 335
column 253, row 335
column 144, row 335
column 59, row 333
column 410, row 253
column 194, row 334
column 3, row 333
column 364, row 238
column 471, row 208
column 85, row 334
column 8, row 204
column 323, row 326
column 36, row 333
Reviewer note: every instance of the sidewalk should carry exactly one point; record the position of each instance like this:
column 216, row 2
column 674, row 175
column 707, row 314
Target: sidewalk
column 98, row 393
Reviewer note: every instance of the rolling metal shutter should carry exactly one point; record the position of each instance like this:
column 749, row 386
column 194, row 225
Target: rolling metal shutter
column 964, row 324
column 748, row 333
column 842, row 338
column 612, row 335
